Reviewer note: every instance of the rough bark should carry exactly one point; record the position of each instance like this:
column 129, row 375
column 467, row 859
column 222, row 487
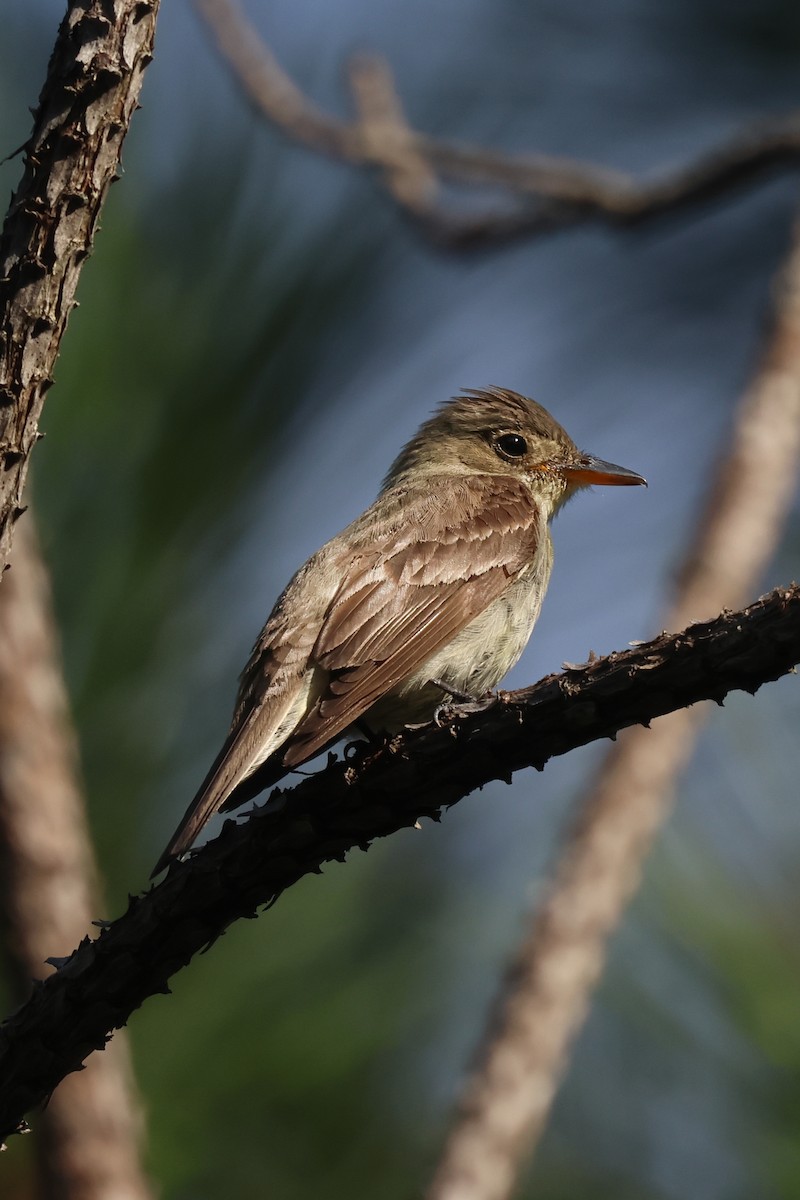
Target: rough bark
column 90, row 94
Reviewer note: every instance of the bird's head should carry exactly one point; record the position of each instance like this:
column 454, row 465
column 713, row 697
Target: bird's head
column 498, row 432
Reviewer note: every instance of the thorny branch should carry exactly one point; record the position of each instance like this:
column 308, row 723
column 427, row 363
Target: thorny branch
column 546, row 193
column 87, row 102
column 351, row 803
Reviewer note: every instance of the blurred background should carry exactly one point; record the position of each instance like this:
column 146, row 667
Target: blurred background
column 258, row 333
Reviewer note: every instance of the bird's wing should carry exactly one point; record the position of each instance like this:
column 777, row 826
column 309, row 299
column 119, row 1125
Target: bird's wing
column 421, row 581
column 403, row 587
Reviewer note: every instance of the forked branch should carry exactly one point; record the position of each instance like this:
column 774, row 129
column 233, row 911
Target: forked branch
column 543, row 192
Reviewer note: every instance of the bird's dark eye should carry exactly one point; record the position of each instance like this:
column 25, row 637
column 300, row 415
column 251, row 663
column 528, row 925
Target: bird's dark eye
column 511, row 445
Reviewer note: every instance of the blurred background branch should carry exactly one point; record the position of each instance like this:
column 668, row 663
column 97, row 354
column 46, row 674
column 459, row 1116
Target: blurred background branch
column 88, row 1135
column 545, row 995
column 549, row 193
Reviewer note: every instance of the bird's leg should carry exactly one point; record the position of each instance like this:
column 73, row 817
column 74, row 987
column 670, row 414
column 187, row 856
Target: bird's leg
column 454, row 692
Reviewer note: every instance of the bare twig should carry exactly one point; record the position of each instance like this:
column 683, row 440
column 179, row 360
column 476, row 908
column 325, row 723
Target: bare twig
column 505, row 1104
column 387, row 138
column 546, row 192
column 88, row 1136
column 268, row 87
column 85, row 108
column 351, row 803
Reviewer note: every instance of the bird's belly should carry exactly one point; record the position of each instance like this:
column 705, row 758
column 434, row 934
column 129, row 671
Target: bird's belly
column 474, row 661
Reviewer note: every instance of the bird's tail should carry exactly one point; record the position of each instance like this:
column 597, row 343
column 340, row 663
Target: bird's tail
column 227, row 785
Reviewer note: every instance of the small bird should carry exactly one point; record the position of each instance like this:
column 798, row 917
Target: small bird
column 431, row 594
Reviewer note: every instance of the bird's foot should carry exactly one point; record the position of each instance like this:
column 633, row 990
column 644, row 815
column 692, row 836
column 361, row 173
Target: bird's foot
column 451, row 693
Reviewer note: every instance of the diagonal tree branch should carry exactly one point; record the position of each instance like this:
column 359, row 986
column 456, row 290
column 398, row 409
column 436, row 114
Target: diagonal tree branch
column 545, row 193
column 351, row 803
column 87, row 102
column 505, row 1103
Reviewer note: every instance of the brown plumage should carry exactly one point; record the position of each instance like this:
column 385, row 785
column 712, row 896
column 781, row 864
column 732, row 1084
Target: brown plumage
column 439, row 582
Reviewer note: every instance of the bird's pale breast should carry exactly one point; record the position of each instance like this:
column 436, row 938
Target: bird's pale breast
column 478, row 658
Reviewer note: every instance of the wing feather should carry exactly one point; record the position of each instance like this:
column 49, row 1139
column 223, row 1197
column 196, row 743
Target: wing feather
column 395, row 608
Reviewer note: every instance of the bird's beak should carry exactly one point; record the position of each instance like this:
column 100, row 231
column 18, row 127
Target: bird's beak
column 589, row 470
